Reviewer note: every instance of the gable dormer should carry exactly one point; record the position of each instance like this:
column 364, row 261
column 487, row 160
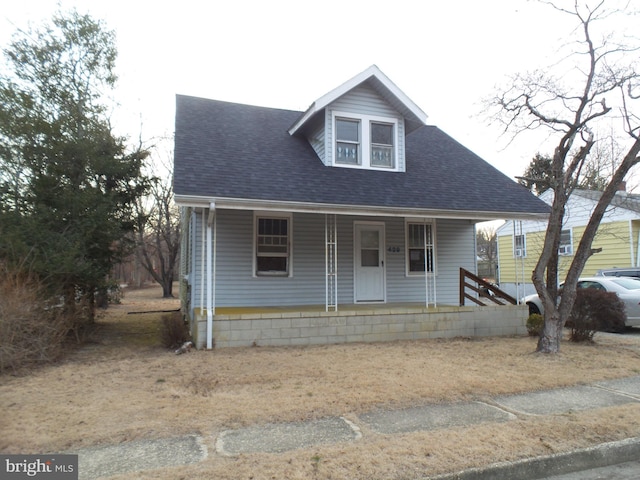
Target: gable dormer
column 361, row 124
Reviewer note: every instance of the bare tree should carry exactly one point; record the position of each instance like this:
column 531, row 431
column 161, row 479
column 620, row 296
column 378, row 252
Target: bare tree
column 595, row 176
column 600, row 80
column 487, row 246
column 158, row 232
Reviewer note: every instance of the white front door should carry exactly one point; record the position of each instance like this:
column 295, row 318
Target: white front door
column 369, row 263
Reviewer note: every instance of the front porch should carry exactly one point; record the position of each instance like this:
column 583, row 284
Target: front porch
column 312, row 325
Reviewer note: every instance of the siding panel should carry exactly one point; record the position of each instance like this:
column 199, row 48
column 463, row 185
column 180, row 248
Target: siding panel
column 456, row 249
column 364, row 100
column 317, row 140
column 236, row 285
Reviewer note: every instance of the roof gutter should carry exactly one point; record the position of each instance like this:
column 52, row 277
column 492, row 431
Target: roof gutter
column 337, row 209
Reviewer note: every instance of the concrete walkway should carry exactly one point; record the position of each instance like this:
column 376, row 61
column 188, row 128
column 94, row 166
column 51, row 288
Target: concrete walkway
column 99, row 462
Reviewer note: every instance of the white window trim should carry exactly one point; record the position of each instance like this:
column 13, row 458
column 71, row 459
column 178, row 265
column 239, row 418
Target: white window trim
column 566, row 249
column 365, row 140
column 524, row 241
column 421, row 221
column 268, row 214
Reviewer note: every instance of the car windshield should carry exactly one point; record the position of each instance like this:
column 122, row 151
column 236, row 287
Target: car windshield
column 628, row 283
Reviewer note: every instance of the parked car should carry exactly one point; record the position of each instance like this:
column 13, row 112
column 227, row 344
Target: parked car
column 619, row 272
column 627, row 288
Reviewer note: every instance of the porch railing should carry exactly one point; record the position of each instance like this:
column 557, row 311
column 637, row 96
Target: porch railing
column 481, row 292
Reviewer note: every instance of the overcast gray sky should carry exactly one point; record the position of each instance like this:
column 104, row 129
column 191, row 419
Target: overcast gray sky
column 446, row 56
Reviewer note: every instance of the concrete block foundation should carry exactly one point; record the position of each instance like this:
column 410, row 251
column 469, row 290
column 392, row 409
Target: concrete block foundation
column 360, row 325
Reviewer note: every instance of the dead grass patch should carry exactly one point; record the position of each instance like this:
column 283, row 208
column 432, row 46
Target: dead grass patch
column 124, row 386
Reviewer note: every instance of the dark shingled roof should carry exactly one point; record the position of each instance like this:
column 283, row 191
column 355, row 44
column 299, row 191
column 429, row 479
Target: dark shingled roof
column 239, row 151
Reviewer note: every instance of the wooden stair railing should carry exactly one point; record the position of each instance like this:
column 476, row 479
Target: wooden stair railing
column 487, row 292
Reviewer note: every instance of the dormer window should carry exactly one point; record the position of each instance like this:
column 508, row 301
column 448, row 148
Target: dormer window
column 363, row 141
column 382, row 151
column 347, row 141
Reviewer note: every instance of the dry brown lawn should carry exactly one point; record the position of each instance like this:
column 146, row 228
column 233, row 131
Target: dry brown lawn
column 123, row 386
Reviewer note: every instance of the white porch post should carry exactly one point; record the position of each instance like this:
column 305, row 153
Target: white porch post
column 426, row 266
column 429, row 247
column 331, row 262
column 211, row 248
column 202, row 264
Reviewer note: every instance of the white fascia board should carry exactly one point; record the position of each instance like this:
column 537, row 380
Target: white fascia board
column 192, row 201
column 372, row 71
column 363, row 210
column 303, row 119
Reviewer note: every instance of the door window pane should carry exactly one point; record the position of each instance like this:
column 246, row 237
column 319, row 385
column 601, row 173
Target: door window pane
column 369, row 239
column 370, row 258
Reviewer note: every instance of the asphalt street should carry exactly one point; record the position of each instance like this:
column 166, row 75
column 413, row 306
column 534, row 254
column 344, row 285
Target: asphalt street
column 623, row 471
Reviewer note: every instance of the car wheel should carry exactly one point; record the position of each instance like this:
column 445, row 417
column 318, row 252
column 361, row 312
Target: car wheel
column 533, row 309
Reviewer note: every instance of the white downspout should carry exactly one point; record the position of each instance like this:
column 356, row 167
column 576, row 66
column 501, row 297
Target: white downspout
column 193, row 260
column 210, row 252
column 215, row 262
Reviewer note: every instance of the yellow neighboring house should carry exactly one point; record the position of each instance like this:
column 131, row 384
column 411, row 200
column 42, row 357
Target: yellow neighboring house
column 520, row 242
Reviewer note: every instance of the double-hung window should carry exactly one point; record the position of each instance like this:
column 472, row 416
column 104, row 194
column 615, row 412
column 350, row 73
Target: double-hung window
column 420, row 248
column 566, row 246
column 364, row 141
column 272, row 245
column 519, row 246
column 382, row 149
column 348, row 141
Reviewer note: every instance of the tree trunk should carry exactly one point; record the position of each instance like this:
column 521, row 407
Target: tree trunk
column 167, row 288
column 551, row 335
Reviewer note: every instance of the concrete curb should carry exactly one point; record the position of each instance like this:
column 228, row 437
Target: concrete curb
column 603, row 455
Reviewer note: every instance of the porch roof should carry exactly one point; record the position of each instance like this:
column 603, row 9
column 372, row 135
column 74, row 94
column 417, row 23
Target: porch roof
column 242, row 156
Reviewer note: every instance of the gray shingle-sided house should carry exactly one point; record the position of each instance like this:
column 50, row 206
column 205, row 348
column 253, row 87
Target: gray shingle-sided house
column 318, row 226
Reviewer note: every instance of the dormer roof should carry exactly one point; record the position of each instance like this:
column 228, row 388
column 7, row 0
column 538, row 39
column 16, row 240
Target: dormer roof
column 373, row 76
